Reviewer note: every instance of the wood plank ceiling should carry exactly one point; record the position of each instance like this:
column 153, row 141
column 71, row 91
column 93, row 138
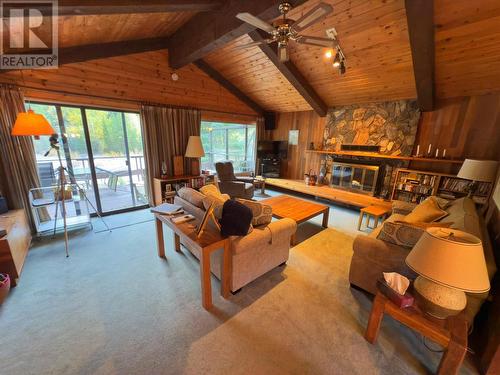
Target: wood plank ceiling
column 81, row 30
column 141, row 77
column 374, row 37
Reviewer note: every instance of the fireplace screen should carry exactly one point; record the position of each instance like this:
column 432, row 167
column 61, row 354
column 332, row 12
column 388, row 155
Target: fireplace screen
column 355, row 177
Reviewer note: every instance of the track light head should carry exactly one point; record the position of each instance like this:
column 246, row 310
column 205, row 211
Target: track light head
column 342, row 68
column 336, row 60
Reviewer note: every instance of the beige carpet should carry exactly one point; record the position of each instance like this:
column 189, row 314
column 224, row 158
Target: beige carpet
column 114, row 307
column 309, row 323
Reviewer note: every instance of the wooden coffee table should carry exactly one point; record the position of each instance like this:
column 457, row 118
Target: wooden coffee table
column 299, row 210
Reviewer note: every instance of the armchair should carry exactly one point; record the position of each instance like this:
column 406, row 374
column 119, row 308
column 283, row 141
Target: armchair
column 230, row 184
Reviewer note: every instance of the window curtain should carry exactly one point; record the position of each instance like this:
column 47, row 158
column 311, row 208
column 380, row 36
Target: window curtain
column 166, row 133
column 18, row 171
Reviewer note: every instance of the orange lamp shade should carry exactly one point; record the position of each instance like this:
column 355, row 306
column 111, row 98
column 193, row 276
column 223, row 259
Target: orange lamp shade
column 31, row 123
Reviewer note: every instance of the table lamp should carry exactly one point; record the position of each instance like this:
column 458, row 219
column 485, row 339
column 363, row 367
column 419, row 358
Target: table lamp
column 478, row 171
column 449, row 262
column 194, row 150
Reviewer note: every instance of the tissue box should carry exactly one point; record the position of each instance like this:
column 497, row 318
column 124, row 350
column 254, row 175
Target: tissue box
column 399, row 300
column 3, row 205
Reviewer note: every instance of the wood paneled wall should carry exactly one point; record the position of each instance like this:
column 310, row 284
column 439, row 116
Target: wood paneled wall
column 142, row 77
column 467, row 127
column 310, row 127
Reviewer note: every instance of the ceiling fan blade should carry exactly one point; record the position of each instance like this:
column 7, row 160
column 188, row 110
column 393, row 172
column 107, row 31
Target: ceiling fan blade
column 316, row 41
column 255, row 21
column 316, row 14
column 253, row 44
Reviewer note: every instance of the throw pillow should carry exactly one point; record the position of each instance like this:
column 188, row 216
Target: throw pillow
column 426, row 212
column 217, row 201
column 401, row 234
column 236, row 219
column 262, row 213
column 438, row 224
column 192, row 196
column 210, row 190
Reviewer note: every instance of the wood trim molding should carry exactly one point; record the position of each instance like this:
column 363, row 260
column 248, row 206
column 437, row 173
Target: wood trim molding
column 292, row 74
column 96, row 7
column 420, row 18
column 208, row 31
column 215, row 75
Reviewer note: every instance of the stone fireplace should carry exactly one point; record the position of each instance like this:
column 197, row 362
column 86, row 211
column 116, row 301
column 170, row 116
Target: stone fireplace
column 389, row 127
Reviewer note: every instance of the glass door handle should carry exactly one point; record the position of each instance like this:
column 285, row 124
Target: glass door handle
column 127, row 163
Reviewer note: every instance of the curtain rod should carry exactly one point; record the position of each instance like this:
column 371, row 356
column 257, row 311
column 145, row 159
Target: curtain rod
column 127, row 100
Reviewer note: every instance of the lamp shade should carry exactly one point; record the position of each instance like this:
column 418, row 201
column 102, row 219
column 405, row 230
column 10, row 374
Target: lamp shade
column 31, row 123
column 451, row 258
column 194, row 148
column 479, row 170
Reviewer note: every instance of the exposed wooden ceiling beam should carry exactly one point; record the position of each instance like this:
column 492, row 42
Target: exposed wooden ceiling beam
column 96, row 7
column 420, row 18
column 215, row 75
column 69, row 55
column 207, row 31
column 292, row 74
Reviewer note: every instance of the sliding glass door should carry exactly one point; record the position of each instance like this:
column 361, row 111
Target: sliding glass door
column 102, row 151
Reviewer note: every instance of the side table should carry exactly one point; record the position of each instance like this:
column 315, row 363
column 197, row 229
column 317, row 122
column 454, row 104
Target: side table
column 374, row 211
column 260, row 183
column 450, row 333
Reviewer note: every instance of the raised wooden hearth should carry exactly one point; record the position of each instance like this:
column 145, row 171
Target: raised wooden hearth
column 326, row 192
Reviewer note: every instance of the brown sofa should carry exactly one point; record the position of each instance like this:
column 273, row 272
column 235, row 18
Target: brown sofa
column 253, row 255
column 372, row 256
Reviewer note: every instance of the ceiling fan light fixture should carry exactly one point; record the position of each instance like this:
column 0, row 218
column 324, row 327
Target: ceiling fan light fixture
column 283, row 53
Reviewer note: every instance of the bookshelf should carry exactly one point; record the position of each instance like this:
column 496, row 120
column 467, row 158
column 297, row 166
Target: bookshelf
column 414, row 186
column 165, row 189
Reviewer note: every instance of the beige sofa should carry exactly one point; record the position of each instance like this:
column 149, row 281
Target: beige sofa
column 253, row 255
column 372, row 256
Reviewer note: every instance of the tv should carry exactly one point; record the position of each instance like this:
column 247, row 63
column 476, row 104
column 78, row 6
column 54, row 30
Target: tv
column 277, row 149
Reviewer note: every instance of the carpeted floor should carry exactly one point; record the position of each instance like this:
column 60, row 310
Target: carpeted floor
column 114, row 307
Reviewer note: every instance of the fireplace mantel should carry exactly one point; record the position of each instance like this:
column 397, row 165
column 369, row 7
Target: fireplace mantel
column 382, row 156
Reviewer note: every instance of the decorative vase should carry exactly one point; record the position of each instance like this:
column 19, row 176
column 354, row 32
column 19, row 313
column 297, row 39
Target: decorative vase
column 4, row 286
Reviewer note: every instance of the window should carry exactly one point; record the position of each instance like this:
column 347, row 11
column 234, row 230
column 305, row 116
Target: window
column 226, row 141
column 102, row 152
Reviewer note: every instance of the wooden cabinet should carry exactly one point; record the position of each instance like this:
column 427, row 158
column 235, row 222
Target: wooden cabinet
column 15, row 244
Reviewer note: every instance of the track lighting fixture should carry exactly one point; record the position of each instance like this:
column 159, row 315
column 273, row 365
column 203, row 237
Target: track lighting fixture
column 336, row 60
column 342, row 67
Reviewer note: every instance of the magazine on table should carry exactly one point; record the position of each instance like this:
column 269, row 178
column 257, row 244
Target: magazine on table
column 167, row 209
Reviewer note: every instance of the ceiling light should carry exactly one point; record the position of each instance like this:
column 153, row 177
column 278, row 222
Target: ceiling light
column 328, row 54
column 342, row 68
column 336, row 60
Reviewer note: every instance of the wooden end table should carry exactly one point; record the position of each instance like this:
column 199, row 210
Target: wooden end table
column 297, row 209
column 374, row 211
column 451, row 333
column 205, row 245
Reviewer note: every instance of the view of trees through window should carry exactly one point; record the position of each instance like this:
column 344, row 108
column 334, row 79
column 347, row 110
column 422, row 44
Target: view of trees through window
column 115, row 140
column 227, row 141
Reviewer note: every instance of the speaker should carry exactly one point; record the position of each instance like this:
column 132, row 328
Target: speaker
column 270, row 120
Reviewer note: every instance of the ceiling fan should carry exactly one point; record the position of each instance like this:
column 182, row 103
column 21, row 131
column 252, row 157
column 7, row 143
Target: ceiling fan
column 285, row 30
